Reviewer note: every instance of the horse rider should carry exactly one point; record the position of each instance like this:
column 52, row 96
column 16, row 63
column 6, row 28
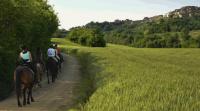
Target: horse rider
column 26, row 57
column 57, row 52
column 52, row 53
column 57, row 49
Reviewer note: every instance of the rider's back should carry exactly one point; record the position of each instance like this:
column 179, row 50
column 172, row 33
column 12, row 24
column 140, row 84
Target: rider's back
column 51, row 52
column 25, row 55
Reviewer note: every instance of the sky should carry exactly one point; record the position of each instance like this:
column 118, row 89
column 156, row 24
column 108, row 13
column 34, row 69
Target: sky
column 72, row 13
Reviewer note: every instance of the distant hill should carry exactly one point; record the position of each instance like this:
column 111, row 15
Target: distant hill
column 167, row 30
column 187, row 11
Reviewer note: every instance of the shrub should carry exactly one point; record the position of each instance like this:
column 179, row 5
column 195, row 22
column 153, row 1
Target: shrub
column 7, row 65
column 87, row 37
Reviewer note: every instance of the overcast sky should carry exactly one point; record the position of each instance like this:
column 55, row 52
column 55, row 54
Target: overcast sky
column 73, row 13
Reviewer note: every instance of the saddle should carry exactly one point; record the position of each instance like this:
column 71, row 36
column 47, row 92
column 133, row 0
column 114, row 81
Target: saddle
column 52, row 59
column 26, row 65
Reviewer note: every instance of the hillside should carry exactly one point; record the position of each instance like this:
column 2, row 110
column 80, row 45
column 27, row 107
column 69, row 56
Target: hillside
column 173, row 29
column 187, row 11
column 132, row 79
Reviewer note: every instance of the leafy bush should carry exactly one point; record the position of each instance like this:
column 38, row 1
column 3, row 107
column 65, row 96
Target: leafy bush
column 87, row 37
column 7, row 66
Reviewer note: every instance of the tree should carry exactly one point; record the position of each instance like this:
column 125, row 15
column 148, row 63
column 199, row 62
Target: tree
column 185, row 33
column 87, row 36
column 23, row 22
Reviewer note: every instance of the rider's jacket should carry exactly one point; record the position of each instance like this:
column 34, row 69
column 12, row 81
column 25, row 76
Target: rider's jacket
column 51, row 52
column 25, row 56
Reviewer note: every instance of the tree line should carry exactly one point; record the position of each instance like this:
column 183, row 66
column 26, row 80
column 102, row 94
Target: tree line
column 162, row 33
column 22, row 22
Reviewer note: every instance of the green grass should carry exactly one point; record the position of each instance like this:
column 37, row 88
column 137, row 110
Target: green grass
column 132, row 79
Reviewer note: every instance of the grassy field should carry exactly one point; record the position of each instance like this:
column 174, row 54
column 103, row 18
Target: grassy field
column 132, row 79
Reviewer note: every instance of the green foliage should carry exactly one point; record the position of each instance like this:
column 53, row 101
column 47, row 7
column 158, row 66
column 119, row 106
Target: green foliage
column 60, row 33
column 31, row 23
column 7, row 66
column 145, row 33
column 87, row 37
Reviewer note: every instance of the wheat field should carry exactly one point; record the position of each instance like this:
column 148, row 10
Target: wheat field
column 133, row 79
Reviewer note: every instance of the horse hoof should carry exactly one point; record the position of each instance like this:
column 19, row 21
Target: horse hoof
column 19, row 105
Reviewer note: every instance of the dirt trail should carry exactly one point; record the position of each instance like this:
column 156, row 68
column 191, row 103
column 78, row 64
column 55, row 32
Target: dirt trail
column 53, row 97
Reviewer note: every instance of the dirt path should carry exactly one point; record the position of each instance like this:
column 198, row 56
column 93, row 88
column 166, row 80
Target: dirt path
column 54, row 97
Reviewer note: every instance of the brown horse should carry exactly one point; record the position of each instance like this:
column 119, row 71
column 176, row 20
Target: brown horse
column 52, row 69
column 23, row 77
column 39, row 73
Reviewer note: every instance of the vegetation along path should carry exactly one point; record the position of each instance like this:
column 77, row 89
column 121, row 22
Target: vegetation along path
column 58, row 96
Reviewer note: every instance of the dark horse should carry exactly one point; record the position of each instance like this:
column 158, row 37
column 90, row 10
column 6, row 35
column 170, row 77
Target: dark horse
column 52, row 69
column 23, row 77
column 60, row 61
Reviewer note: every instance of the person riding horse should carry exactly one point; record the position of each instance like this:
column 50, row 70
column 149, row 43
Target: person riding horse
column 58, row 56
column 52, row 63
column 52, row 53
column 58, row 52
column 26, row 58
column 24, row 77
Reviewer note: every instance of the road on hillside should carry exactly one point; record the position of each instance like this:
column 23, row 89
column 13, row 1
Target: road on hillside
column 53, row 97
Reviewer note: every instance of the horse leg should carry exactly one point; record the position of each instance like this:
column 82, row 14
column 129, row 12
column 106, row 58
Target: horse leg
column 60, row 67
column 56, row 76
column 48, row 76
column 31, row 94
column 41, row 75
column 18, row 100
column 53, row 77
column 24, row 96
column 28, row 99
column 40, row 79
column 56, row 71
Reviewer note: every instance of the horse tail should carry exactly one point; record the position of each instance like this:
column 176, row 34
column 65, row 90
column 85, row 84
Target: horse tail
column 18, row 82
